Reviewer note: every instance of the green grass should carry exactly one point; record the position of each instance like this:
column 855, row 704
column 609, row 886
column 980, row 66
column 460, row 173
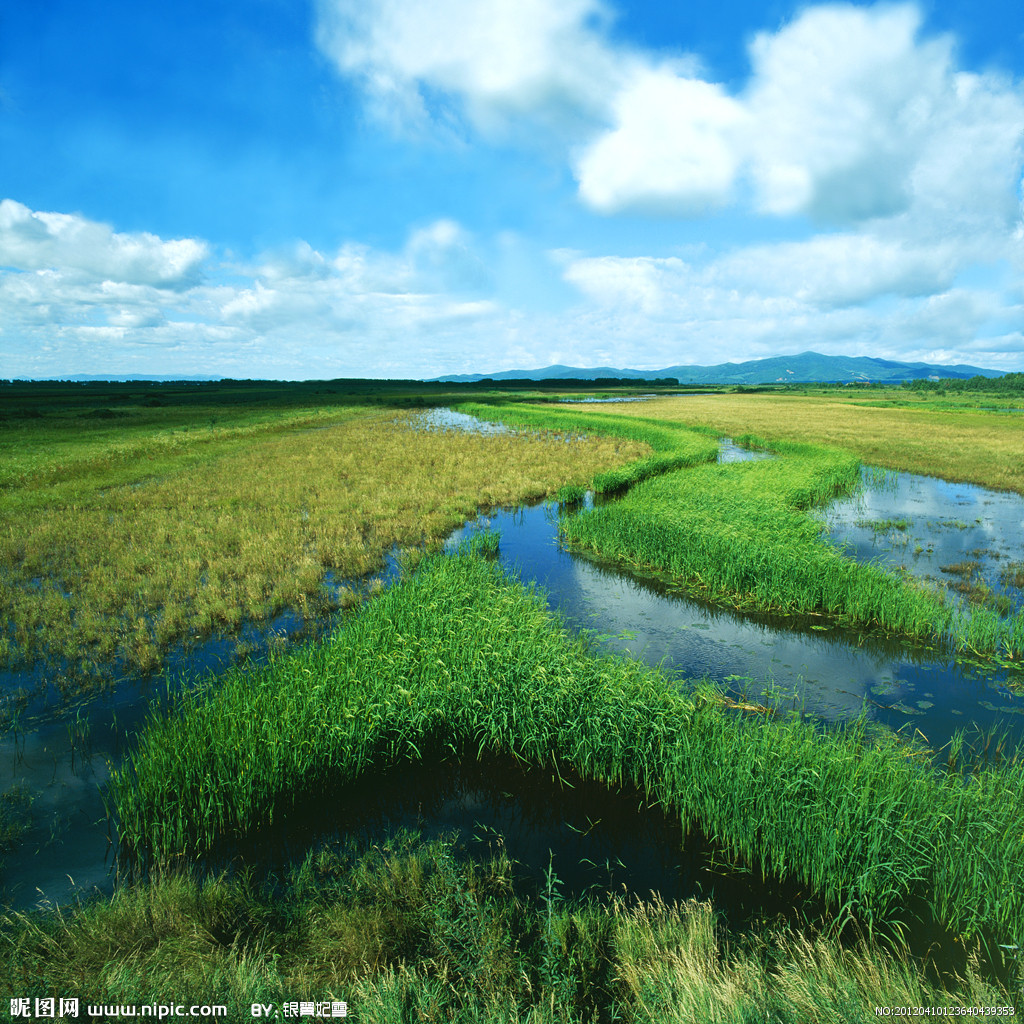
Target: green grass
column 917, row 436
column 15, row 804
column 411, row 932
column 462, row 658
column 739, row 534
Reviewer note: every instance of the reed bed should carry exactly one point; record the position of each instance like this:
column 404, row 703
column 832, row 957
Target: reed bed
column 673, row 447
column 739, row 534
column 926, row 437
column 460, row 657
column 128, row 544
column 409, row 931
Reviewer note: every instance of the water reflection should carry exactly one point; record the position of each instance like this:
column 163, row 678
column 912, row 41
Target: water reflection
column 958, row 536
column 830, row 672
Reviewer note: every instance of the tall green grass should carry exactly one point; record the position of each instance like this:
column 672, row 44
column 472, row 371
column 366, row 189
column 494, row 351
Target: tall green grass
column 406, row 932
column 740, row 533
column 461, row 657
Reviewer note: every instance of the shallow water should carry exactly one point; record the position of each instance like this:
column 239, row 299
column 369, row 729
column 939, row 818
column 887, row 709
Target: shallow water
column 448, row 419
column 729, row 451
column 832, row 673
column 929, row 527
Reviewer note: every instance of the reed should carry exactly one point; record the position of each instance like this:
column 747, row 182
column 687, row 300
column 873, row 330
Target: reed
column 409, row 932
column 129, row 543
column 672, row 446
column 918, row 436
column 462, row 658
column 740, row 534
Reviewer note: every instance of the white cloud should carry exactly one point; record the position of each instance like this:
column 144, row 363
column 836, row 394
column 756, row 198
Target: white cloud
column 87, row 250
column 847, row 294
column 484, row 60
column 844, row 269
column 842, row 100
column 439, row 304
column 850, row 113
column 821, row 273
column 295, row 313
column 673, row 147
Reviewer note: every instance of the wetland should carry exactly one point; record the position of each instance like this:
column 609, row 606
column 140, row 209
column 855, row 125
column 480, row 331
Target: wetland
column 721, row 674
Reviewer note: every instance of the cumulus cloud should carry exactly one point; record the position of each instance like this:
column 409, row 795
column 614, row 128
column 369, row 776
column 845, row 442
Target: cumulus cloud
column 75, row 246
column 481, row 60
column 846, row 294
column 849, row 114
column 75, row 296
column 438, row 304
column 673, row 148
column 842, row 100
column 820, row 273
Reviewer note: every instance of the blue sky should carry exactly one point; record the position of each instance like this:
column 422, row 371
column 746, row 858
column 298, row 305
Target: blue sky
column 405, row 188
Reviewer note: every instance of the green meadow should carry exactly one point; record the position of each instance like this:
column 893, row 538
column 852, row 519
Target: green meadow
column 125, row 535
column 740, row 534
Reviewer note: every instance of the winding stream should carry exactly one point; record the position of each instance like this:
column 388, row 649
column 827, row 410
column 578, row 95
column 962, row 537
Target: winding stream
column 830, row 673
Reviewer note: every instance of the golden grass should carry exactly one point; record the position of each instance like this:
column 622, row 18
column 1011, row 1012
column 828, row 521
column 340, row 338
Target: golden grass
column 239, row 533
column 957, row 444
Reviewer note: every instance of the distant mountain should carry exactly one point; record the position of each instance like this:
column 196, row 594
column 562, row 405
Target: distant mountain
column 806, row 368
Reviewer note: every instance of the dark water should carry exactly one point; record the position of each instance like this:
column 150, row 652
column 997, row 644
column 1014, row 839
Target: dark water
column 579, row 837
column 62, row 756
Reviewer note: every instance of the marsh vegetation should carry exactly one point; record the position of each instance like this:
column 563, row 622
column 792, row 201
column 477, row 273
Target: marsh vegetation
column 458, row 660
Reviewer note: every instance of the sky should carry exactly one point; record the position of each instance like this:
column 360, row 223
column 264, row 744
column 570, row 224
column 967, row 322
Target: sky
column 312, row 189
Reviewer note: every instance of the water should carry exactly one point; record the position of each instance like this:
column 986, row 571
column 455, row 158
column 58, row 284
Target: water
column 949, row 534
column 832, row 673
column 597, row 840
column 63, row 757
column 59, row 748
column 449, row 419
column 729, row 451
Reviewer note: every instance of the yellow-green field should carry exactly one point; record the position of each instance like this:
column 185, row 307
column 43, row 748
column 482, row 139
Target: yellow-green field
column 117, row 542
column 916, row 435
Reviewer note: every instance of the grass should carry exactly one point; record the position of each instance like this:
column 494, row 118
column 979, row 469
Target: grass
column 462, row 658
column 671, row 447
column 15, row 804
column 117, row 543
column 739, row 534
column 884, row 525
column 411, row 932
column 910, row 433
column 1012, row 575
